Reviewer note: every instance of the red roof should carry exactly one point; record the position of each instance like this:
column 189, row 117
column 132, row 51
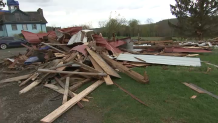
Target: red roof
column 35, row 37
column 185, row 50
column 31, row 37
column 102, row 42
column 71, row 30
column 81, row 49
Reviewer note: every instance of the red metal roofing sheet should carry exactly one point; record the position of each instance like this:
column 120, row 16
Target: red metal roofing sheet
column 185, row 50
column 102, row 42
column 71, row 30
column 81, row 49
column 31, row 37
column 117, row 43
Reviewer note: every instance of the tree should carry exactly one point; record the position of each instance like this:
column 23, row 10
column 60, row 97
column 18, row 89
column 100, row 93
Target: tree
column 150, row 28
column 195, row 17
column 114, row 25
column 134, row 26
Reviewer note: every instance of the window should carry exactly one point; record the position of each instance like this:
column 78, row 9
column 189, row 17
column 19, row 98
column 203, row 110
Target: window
column 14, row 26
column 8, row 38
column 1, row 28
column 25, row 27
column 34, row 26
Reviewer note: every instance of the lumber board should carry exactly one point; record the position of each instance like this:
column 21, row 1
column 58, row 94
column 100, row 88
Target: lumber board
column 193, row 87
column 138, row 77
column 79, row 84
column 29, row 87
column 107, row 78
column 33, row 84
column 72, row 57
column 68, row 72
column 18, row 78
column 198, row 89
column 27, row 80
column 103, row 64
column 86, row 67
column 66, row 89
column 65, row 107
column 53, row 47
column 61, row 68
column 72, row 94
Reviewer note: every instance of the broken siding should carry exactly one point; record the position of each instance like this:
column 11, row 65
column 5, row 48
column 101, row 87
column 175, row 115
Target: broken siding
column 167, row 60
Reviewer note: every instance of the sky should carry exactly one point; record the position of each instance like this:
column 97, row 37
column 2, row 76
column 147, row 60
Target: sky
column 65, row 13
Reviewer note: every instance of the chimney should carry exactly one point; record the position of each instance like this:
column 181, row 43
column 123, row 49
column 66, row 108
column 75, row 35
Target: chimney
column 40, row 11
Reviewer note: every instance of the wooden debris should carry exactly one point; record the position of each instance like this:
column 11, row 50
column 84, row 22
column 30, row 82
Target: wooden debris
column 107, row 78
column 103, row 64
column 62, row 109
column 66, row 90
column 33, row 84
column 24, row 82
column 138, row 77
column 194, row 96
column 59, row 55
column 53, row 47
column 134, row 97
column 18, row 78
column 193, row 87
column 68, row 72
column 72, row 94
column 200, row 90
column 79, row 84
column 9, row 72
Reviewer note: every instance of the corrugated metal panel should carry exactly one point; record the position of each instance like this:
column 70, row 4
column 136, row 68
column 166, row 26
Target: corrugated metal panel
column 167, row 60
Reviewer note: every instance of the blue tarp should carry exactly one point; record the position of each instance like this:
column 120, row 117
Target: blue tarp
column 12, row 2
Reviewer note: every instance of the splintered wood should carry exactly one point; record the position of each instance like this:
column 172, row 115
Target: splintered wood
column 65, row 71
column 62, row 109
column 103, row 64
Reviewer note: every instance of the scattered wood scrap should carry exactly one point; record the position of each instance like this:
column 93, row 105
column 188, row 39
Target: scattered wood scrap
column 62, row 109
column 200, row 90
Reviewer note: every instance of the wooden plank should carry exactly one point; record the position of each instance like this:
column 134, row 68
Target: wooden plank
column 194, row 88
column 33, row 84
column 72, row 94
column 10, row 72
column 18, row 78
column 27, row 80
column 103, row 64
column 72, row 57
column 29, row 87
column 138, row 77
column 59, row 55
column 79, row 84
column 66, row 90
column 68, row 72
column 53, row 47
column 65, row 107
column 86, row 67
column 205, row 91
column 107, row 78
column 61, row 68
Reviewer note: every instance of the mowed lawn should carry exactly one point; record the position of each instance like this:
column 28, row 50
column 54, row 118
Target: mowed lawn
column 167, row 98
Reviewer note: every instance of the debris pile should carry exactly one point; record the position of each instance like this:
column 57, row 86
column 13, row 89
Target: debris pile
column 66, row 59
column 172, row 48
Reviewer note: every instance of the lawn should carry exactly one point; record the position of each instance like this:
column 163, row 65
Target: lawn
column 167, row 98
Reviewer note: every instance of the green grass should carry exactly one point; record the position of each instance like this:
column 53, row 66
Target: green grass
column 168, row 99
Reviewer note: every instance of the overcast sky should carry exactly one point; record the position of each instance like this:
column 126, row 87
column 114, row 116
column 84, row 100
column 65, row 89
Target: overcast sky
column 74, row 12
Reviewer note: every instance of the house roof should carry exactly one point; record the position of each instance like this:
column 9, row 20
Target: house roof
column 23, row 17
column 12, row 2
